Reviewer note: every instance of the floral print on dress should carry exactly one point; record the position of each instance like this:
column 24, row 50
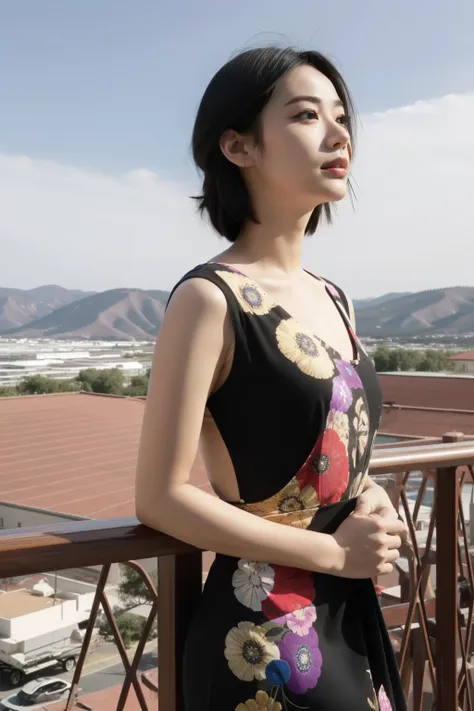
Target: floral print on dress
column 304, row 659
column 293, row 590
column 381, row 701
column 361, row 426
column 327, row 468
column 253, row 582
column 294, row 505
column 384, row 701
column 339, row 422
column 349, row 373
column 262, row 702
column 300, row 621
column 341, row 395
column 304, row 350
column 248, row 651
column 251, row 298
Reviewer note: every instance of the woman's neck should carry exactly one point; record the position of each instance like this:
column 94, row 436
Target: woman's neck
column 272, row 243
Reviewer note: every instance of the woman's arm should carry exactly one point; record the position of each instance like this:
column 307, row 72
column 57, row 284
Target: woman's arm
column 193, row 339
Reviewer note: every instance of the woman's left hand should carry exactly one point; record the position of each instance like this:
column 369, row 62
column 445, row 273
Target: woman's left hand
column 375, row 500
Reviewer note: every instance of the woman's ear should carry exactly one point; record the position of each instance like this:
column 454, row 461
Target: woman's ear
column 237, row 148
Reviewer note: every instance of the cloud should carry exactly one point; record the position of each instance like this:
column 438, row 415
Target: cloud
column 411, row 228
column 89, row 230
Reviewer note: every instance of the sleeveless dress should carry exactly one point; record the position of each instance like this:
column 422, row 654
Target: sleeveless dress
column 299, row 423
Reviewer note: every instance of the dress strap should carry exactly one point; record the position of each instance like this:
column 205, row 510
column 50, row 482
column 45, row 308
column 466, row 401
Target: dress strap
column 208, row 271
column 339, row 295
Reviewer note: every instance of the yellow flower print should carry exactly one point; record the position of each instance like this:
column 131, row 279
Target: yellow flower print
column 248, row 651
column 291, row 505
column 262, row 702
column 339, row 422
column 292, row 498
column 304, row 350
column 252, row 299
column 361, row 426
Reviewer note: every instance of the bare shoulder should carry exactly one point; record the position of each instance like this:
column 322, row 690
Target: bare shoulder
column 198, row 295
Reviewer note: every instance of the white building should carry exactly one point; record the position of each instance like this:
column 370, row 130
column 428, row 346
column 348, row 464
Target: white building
column 64, row 360
column 39, row 624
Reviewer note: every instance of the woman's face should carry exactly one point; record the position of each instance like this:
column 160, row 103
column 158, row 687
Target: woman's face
column 306, row 146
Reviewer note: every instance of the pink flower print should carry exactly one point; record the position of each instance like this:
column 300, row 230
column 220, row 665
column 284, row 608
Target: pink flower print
column 299, row 621
column 384, row 703
column 332, row 290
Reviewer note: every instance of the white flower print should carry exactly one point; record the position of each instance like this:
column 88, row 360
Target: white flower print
column 361, row 426
column 339, row 422
column 253, row 582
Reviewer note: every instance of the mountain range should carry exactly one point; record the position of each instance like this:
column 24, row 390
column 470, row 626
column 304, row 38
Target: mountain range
column 117, row 314
column 18, row 307
column 135, row 314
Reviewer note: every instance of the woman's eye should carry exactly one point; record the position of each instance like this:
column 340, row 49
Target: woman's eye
column 308, row 115
column 342, row 119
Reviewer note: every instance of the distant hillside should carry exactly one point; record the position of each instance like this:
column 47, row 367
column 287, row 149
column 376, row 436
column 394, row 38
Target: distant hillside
column 377, row 300
column 128, row 314
column 18, row 306
column 447, row 311
column 118, row 314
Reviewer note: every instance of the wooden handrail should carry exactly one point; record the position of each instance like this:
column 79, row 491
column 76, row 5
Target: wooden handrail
column 38, row 549
column 423, row 456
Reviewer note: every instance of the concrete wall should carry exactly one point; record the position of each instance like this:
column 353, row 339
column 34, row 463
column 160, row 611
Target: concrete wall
column 13, row 516
column 463, row 366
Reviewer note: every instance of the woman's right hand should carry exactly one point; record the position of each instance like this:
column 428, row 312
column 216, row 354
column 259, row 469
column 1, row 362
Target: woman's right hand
column 368, row 545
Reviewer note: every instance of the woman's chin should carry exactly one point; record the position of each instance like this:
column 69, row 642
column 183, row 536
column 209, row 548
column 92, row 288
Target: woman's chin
column 335, row 192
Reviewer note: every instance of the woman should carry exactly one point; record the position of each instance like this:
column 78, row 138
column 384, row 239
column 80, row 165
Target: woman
column 259, row 360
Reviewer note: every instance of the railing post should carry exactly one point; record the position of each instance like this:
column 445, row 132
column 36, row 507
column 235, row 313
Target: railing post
column 179, row 590
column 447, row 503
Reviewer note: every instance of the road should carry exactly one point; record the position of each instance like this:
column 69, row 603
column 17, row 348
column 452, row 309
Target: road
column 110, row 676
column 103, row 669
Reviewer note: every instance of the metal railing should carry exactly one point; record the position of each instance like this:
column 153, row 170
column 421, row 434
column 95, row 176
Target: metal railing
column 430, row 620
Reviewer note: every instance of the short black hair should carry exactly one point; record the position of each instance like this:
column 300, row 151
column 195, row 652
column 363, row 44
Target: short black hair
column 234, row 99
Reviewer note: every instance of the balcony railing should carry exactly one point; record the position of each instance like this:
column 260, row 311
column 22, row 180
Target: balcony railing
column 429, row 613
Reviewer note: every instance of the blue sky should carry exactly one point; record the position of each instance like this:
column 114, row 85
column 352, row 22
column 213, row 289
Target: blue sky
column 112, row 86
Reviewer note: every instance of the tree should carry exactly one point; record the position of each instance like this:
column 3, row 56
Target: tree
column 130, row 627
column 37, row 385
column 138, row 386
column 109, row 381
column 405, row 359
column 381, row 356
column 132, row 589
column 42, row 385
column 435, row 361
column 8, row 392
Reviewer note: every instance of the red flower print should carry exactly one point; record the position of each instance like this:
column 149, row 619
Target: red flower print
column 326, row 469
column 293, row 590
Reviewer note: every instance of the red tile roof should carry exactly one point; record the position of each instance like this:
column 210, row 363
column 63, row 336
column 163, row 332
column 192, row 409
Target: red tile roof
column 467, row 355
column 73, row 453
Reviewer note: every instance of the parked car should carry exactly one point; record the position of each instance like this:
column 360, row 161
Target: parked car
column 36, row 693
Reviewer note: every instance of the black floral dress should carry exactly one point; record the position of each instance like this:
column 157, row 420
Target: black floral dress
column 299, row 423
